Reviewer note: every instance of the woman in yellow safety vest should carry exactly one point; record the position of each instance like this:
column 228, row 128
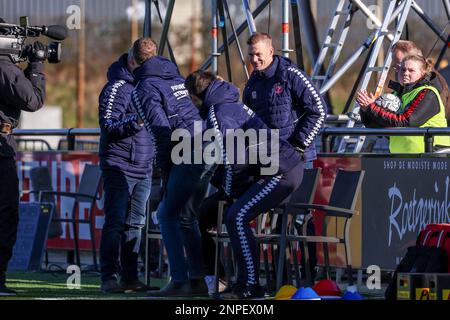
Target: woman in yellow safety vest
column 421, row 106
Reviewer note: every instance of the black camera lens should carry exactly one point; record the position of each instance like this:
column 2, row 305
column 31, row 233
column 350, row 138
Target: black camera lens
column 54, row 52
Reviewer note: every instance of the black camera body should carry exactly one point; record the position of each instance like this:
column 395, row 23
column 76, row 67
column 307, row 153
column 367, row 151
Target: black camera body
column 12, row 41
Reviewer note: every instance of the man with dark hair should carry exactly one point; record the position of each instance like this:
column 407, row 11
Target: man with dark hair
column 284, row 97
column 164, row 105
column 19, row 91
column 255, row 189
column 126, row 155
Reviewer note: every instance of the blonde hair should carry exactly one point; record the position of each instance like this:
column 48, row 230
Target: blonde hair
column 258, row 37
column 427, row 64
column 407, row 47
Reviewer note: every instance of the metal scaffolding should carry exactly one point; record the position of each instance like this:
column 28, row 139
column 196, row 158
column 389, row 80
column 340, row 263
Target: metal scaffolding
column 328, row 64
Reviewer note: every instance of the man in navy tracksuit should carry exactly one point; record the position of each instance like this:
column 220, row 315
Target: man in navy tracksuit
column 164, row 105
column 283, row 96
column 126, row 155
column 255, row 190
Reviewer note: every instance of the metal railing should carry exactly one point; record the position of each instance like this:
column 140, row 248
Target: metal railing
column 427, row 133
column 327, row 133
column 70, row 133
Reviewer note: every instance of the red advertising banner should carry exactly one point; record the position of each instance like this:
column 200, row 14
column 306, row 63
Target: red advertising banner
column 329, row 166
column 65, row 171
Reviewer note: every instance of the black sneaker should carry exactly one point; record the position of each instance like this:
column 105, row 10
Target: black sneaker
column 135, row 286
column 172, row 289
column 198, row 287
column 111, row 286
column 240, row 291
column 191, row 288
column 5, row 292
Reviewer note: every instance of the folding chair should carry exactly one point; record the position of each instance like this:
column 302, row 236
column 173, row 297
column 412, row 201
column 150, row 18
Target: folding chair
column 153, row 232
column 221, row 237
column 341, row 205
column 270, row 233
column 41, row 181
column 265, row 234
column 86, row 193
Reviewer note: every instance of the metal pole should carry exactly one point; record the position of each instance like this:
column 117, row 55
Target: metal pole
column 224, row 36
column 428, row 21
column 429, row 139
column 241, row 55
column 249, row 17
column 442, row 53
column 70, row 140
column 326, row 143
column 297, row 34
column 326, row 86
column 381, row 57
column 165, row 31
column 356, row 84
column 169, row 47
column 285, row 28
column 148, row 19
column 81, row 70
column 367, row 44
column 369, row 14
column 446, row 4
column 214, row 35
column 447, row 8
column 312, row 42
column 239, row 30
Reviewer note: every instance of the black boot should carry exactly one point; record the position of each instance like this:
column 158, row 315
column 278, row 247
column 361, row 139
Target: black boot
column 172, row 289
column 199, row 287
column 191, row 288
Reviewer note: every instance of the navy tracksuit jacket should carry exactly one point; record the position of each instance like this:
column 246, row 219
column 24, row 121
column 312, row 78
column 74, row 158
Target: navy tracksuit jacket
column 255, row 193
column 124, row 145
column 164, row 104
column 284, row 98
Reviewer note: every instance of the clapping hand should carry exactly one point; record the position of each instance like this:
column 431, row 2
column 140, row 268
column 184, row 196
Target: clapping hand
column 365, row 99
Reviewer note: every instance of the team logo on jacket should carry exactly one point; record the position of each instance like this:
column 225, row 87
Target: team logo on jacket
column 260, row 182
column 254, row 94
column 278, row 88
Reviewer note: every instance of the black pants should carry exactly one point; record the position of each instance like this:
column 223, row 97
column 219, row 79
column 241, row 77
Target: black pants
column 9, row 211
column 207, row 218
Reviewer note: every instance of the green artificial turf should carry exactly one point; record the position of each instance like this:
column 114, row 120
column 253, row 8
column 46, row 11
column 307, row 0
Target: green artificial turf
column 52, row 285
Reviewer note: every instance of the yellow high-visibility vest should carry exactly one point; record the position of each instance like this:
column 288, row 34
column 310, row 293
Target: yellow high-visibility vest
column 416, row 144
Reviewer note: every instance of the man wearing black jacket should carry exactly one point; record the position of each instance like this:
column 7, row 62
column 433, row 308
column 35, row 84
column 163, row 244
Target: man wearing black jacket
column 19, row 90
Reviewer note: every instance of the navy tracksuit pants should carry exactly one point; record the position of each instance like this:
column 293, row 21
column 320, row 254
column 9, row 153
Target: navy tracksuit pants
column 266, row 193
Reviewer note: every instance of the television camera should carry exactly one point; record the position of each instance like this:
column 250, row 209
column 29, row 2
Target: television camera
column 13, row 37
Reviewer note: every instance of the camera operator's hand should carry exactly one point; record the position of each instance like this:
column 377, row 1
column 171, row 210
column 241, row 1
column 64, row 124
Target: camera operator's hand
column 38, row 52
